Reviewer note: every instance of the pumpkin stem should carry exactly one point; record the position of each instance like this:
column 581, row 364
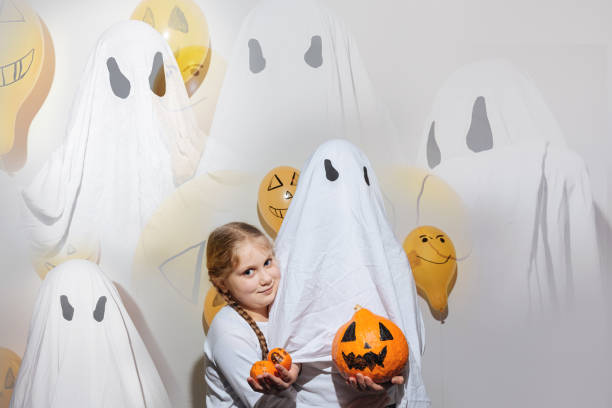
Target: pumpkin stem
column 357, row 307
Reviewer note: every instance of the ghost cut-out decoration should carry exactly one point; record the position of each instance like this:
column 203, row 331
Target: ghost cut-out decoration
column 83, row 349
column 295, row 80
column 484, row 105
column 129, row 142
column 338, row 250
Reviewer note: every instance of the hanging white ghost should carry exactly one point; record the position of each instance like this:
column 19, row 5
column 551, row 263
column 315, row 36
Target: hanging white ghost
column 337, row 250
column 129, row 141
column 83, row 349
column 295, row 80
column 483, row 106
column 533, row 275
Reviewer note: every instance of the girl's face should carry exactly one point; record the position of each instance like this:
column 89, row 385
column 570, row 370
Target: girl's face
column 254, row 281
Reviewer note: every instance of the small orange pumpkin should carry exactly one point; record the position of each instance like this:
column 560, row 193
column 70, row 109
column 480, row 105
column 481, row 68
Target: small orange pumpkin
column 280, row 356
column 262, row 367
column 371, row 345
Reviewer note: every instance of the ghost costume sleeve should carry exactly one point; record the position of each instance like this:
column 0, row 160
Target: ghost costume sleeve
column 129, row 140
column 230, row 350
column 337, row 250
column 83, row 349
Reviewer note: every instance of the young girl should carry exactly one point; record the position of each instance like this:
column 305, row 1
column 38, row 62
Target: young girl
column 242, row 266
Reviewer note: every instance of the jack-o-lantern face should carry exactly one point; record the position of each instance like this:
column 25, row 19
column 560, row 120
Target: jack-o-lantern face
column 9, row 366
column 183, row 25
column 371, row 345
column 275, row 193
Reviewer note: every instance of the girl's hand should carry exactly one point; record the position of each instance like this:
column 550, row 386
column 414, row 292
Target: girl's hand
column 271, row 384
column 364, row 383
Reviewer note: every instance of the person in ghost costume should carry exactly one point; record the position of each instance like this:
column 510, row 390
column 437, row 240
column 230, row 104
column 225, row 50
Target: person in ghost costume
column 295, row 80
column 83, row 349
column 534, row 266
column 129, row 142
column 337, row 250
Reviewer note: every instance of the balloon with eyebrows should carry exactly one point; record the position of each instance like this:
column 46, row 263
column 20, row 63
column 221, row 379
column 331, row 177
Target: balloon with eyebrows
column 129, row 142
column 83, row 349
column 184, row 27
column 27, row 64
column 432, row 257
column 275, row 194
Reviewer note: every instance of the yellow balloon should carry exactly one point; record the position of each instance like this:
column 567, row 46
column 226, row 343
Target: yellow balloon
column 27, row 63
column 9, row 367
column 83, row 250
column 212, row 304
column 184, row 26
column 432, row 257
column 276, row 191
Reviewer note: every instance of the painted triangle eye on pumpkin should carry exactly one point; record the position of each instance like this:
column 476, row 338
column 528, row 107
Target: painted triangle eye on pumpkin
column 371, row 345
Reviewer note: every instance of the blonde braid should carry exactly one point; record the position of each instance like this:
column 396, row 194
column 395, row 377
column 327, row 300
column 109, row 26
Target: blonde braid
column 221, row 257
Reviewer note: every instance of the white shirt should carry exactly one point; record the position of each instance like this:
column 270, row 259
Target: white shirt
column 230, row 350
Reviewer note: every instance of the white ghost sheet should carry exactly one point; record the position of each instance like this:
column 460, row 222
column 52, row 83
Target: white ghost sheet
column 494, row 140
column 125, row 149
column 83, row 349
column 485, row 105
column 294, row 81
column 336, row 250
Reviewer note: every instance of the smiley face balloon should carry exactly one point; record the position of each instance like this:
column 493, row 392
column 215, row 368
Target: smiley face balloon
column 183, row 25
column 275, row 194
column 9, row 366
column 27, row 64
column 432, row 256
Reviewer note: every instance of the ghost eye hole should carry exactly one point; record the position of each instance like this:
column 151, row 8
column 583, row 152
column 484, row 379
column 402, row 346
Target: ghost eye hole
column 98, row 313
column 119, row 83
column 349, row 334
column 157, row 77
column 385, row 334
column 257, row 62
column 365, row 175
column 67, row 309
column 314, row 55
column 330, row 172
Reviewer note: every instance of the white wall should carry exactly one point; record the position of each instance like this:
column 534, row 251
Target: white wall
column 409, row 49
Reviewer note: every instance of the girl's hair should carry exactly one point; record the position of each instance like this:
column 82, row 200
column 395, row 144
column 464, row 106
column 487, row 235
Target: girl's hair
column 222, row 258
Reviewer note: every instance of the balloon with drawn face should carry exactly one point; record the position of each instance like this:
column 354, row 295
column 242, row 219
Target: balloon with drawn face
column 9, row 366
column 26, row 65
column 434, row 265
column 275, row 194
column 183, row 25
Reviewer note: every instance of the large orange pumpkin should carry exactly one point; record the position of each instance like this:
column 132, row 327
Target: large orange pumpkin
column 371, row 345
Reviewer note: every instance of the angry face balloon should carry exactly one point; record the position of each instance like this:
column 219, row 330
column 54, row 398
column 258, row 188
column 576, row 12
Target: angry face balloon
column 275, row 194
column 9, row 367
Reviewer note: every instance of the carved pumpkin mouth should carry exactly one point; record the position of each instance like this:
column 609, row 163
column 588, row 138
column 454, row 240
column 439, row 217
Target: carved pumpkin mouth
column 16, row 70
column 369, row 359
column 278, row 212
